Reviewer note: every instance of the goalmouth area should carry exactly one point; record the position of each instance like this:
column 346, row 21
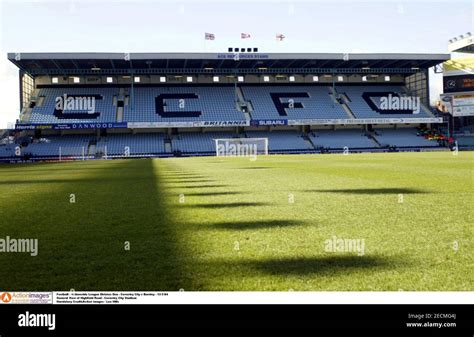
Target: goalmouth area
column 388, row 221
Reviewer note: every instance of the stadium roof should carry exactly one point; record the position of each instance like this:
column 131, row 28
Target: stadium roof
column 462, row 45
column 124, row 63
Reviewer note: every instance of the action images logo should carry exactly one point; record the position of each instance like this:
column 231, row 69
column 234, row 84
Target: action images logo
column 26, row 297
column 6, row 297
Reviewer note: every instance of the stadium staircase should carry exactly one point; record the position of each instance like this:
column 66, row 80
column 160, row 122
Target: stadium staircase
column 243, row 105
column 119, row 103
column 310, row 136
column 91, row 148
column 308, row 141
column 168, row 146
column 25, row 115
column 371, row 135
column 423, row 107
column 427, row 110
column 119, row 117
column 35, row 101
column 342, row 100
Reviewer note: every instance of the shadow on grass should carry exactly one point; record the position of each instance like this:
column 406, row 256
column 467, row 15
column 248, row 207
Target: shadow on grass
column 59, row 168
column 226, row 205
column 107, row 178
column 211, row 194
column 255, row 168
column 183, row 175
column 320, row 265
column 39, row 181
column 202, row 186
column 82, row 245
column 184, row 181
column 373, row 191
column 250, row 225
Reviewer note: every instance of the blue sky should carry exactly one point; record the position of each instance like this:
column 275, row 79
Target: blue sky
column 156, row 26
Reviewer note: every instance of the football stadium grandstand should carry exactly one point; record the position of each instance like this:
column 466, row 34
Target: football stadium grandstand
column 457, row 100
column 177, row 104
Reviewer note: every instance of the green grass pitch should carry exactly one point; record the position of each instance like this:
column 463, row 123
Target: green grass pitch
column 234, row 224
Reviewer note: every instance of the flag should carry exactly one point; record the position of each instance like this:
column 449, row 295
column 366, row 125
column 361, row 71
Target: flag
column 280, row 37
column 209, row 36
column 244, row 36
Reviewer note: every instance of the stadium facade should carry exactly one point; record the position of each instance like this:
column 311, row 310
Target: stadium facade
column 94, row 105
column 457, row 101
